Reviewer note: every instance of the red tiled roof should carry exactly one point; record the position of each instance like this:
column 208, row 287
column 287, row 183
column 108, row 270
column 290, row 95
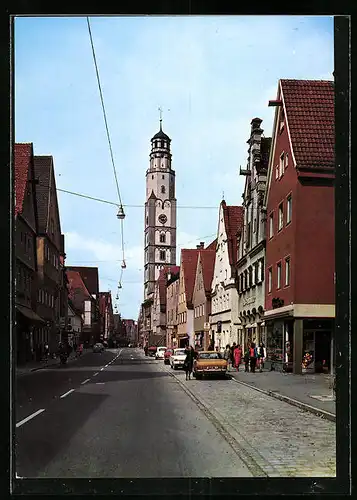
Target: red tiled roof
column 207, row 257
column 77, row 291
column 89, row 276
column 162, row 281
column 212, row 246
column 233, row 221
column 189, row 262
column 309, row 107
column 22, row 160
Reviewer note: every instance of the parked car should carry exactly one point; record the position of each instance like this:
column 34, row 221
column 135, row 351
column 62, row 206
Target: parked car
column 160, row 352
column 177, row 358
column 167, row 355
column 152, row 350
column 98, row 347
column 209, row 363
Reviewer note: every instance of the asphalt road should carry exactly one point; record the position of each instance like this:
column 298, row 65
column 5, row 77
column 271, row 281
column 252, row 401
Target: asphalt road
column 117, row 414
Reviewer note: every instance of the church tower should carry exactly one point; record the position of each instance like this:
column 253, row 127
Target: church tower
column 160, row 212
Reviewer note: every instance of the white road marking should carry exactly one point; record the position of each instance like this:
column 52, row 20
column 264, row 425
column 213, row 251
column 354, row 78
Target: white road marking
column 85, row 381
column 29, row 417
column 101, row 369
column 66, row 393
column 99, row 383
column 95, row 374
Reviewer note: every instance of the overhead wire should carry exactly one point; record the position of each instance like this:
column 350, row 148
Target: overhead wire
column 109, row 143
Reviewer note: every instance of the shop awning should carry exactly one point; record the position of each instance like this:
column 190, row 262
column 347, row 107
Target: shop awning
column 29, row 314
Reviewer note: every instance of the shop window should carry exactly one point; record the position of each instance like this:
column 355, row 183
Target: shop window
column 281, row 217
column 278, row 270
column 287, row 271
column 270, row 279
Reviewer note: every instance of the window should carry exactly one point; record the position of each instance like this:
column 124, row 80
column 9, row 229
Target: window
column 250, row 271
column 286, row 160
column 163, row 189
column 163, row 177
column 288, row 209
column 256, row 274
column 262, row 269
column 162, row 238
column 255, row 225
column 152, row 176
column 282, row 120
column 278, row 268
column 277, row 172
column 287, row 271
column 271, row 226
column 248, row 234
column 270, row 279
column 162, row 254
column 281, row 165
column 281, row 217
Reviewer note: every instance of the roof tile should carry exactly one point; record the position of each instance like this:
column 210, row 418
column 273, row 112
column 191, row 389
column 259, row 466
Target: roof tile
column 23, row 153
column 310, row 112
column 207, row 257
column 189, row 262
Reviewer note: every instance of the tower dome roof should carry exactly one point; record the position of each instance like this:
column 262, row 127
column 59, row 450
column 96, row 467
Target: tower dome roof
column 161, row 135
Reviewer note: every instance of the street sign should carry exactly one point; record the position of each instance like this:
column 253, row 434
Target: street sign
column 206, row 327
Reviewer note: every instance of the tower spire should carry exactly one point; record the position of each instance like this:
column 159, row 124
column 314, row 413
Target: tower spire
column 160, row 111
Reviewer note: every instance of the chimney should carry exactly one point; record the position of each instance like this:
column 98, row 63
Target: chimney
column 202, row 244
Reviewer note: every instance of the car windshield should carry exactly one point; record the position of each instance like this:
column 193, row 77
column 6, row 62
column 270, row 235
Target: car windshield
column 210, row 355
column 179, row 352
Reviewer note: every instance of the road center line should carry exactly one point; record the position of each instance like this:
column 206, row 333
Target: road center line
column 29, row 417
column 66, row 393
column 85, row 381
column 95, row 374
column 99, row 383
column 101, row 369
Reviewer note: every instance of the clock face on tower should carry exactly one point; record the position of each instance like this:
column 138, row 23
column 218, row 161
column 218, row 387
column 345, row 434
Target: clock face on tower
column 162, row 218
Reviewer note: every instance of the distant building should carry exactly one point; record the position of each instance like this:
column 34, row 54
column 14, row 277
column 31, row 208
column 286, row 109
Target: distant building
column 158, row 335
column 75, row 323
column 201, row 298
column 106, row 315
column 300, row 244
column 172, row 293
column 185, row 326
column 160, row 222
column 224, row 317
column 251, row 241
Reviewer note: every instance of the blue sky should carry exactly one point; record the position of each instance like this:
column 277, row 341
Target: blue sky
column 214, row 74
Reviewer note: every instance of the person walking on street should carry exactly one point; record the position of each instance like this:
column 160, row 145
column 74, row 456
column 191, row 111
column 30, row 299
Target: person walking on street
column 227, row 355
column 253, row 357
column 188, row 364
column 210, row 347
column 261, row 356
column 231, row 356
column 246, row 359
column 237, row 357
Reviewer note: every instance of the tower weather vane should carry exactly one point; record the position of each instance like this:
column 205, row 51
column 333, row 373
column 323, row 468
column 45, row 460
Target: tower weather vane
column 160, row 111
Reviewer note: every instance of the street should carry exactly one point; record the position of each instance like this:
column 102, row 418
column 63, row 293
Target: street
column 121, row 414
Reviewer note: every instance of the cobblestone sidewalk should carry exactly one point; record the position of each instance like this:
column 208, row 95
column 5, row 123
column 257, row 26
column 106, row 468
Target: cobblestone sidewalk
column 314, row 390
column 283, row 440
column 39, row 365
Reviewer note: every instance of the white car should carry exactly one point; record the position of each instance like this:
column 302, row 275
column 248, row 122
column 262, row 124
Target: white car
column 177, row 358
column 160, row 352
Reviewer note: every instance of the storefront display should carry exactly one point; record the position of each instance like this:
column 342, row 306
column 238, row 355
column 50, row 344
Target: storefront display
column 308, row 355
column 274, row 345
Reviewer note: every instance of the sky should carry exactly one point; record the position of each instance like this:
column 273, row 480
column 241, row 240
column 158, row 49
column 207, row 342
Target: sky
column 211, row 75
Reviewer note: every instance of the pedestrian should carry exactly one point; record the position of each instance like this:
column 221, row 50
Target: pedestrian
column 246, row 359
column 261, row 356
column 237, row 356
column 188, row 364
column 252, row 357
column 231, row 357
column 227, row 355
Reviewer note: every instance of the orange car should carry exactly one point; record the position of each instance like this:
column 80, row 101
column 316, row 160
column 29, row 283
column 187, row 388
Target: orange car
column 209, row 363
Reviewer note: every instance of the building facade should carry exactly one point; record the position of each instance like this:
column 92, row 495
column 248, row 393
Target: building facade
column 106, row 315
column 299, row 286
column 185, row 326
column 26, row 228
column 75, row 323
column 172, row 294
column 49, row 250
column 159, row 314
column 160, row 220
column 202, row 296
column 251, row 241
column 224, row 319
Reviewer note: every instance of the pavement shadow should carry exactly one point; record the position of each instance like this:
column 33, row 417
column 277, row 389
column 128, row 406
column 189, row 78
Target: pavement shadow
column 38, row 441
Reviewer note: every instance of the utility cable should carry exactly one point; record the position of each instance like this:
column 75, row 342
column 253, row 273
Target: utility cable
column 107, row 130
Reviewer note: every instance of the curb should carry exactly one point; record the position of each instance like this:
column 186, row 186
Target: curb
column 304, row 406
